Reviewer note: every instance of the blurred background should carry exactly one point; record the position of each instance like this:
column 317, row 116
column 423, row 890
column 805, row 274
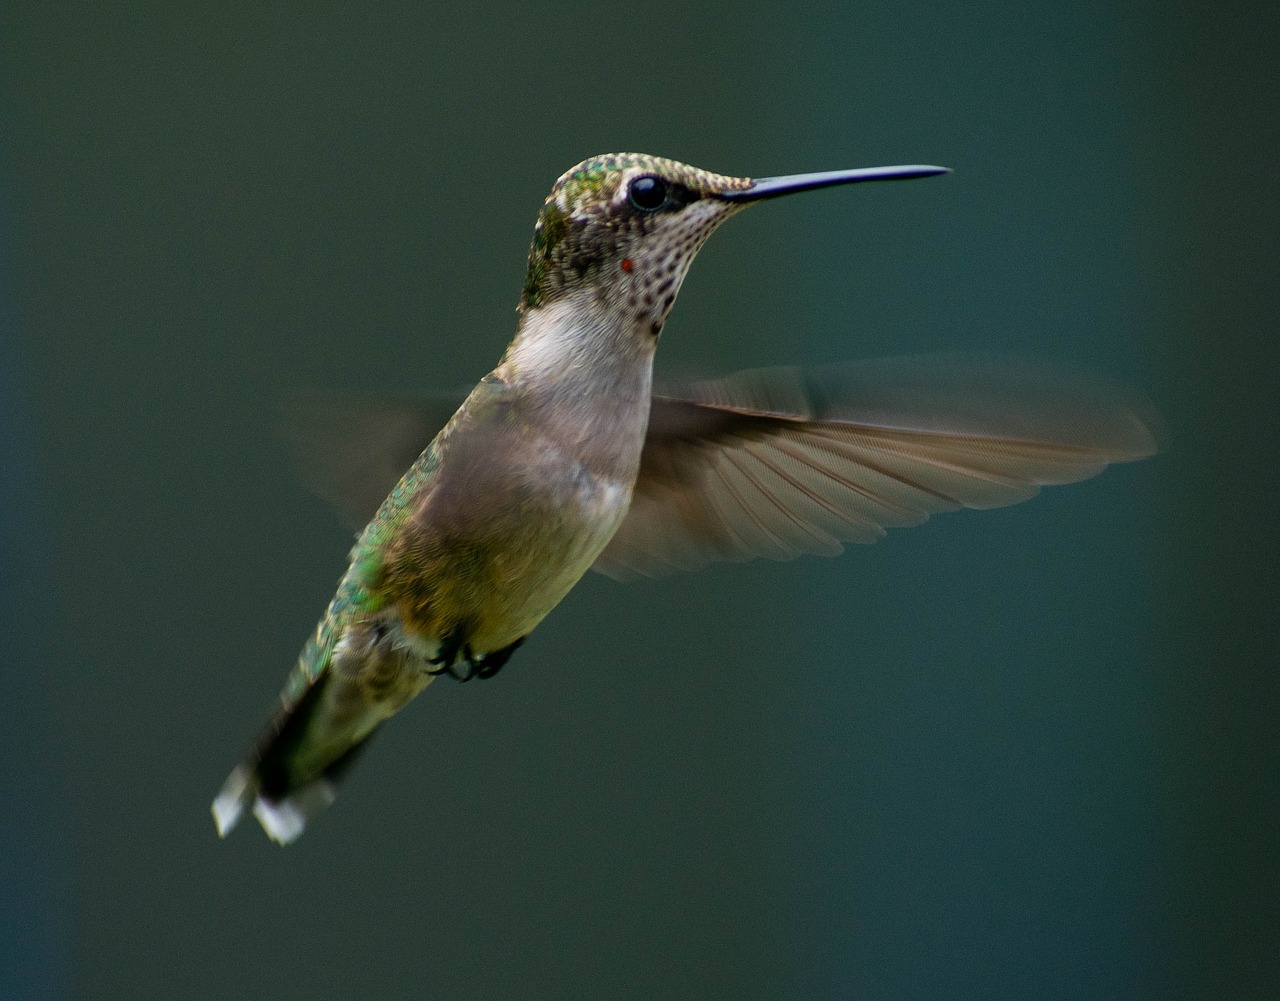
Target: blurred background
column 1021, row 753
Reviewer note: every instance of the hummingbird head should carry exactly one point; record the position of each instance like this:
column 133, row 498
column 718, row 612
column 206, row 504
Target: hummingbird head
column 626, row 226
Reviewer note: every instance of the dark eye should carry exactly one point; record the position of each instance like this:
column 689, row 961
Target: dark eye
column 647, row 193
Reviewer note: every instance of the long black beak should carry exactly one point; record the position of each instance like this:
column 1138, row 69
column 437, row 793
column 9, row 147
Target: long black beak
column 772, row 187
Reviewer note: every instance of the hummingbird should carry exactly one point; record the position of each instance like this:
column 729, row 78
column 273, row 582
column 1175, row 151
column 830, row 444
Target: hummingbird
column 563, row 459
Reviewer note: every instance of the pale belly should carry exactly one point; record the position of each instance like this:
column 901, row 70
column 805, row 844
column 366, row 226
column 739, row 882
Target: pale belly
column 540, row 569
column 493, row 584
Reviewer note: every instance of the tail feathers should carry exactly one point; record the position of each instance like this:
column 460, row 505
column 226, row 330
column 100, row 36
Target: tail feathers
column 284, row 819
column 293, row 773
column 283, row 816
column 325, row 720
column 229, row 804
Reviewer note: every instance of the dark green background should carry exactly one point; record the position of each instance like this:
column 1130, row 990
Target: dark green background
column 1026, row 753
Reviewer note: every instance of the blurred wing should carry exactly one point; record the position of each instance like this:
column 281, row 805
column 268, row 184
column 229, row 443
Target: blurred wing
column 779, row 462
column 351, row 450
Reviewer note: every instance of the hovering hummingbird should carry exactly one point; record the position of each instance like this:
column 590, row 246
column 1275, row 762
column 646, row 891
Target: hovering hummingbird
column 562, row 459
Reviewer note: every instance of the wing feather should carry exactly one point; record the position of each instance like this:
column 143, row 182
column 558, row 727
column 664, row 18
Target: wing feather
column 350, row 450
column 780, row 462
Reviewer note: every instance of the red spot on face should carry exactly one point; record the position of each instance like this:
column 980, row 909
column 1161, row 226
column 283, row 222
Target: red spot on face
column 627, row 265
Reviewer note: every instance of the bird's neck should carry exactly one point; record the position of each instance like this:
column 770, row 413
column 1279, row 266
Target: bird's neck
column 586, row 370
column 580, row 346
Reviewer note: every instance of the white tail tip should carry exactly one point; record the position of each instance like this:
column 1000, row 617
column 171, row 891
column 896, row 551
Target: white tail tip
column 229, row 804
column 284, row 821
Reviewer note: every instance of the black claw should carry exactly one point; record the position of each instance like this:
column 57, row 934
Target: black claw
column 491, row 663
column 453, row 649
column 447, row 656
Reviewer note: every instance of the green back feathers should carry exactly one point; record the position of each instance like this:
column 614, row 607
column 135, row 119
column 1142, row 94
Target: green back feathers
column 359, row 593
column 360, row 588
